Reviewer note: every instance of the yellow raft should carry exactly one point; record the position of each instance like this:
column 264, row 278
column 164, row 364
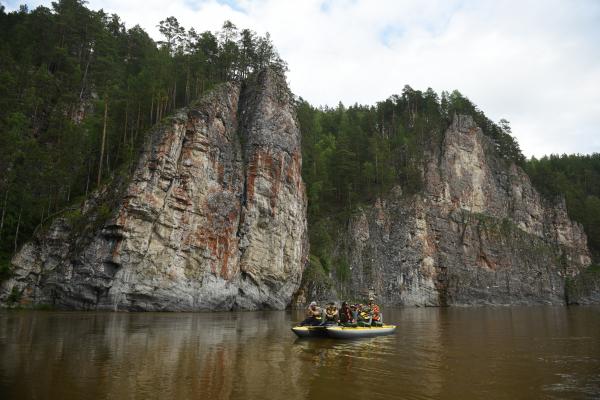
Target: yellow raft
column 343, row 332
column 346, row 332
column 310, row 331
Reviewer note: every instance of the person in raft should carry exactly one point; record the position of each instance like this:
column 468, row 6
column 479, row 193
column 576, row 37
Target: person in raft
column 313, row 315
column 332, row 315
column 354, row 311
column 347, row 317
column 364, row 316
column 376, row 315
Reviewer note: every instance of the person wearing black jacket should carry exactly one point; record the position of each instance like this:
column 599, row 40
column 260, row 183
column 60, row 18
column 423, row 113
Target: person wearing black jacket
column 346, row 317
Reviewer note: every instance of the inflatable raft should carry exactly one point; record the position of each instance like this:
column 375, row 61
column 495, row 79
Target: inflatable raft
column 343, row 332
column 310, row 331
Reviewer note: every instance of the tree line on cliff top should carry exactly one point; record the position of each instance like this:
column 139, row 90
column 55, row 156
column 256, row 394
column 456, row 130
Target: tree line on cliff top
column 79, row 91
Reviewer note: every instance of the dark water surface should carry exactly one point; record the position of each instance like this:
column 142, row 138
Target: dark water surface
column 457, row 353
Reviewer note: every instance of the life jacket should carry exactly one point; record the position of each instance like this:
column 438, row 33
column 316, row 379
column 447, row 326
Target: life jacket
column 311, row 313
column 330, row 313
column 375, row 310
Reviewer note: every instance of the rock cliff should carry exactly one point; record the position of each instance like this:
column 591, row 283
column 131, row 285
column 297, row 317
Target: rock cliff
column 478, row 233
column 213, row 218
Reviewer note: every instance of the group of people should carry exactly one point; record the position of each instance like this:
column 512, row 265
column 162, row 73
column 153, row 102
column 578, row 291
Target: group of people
column 361, row 315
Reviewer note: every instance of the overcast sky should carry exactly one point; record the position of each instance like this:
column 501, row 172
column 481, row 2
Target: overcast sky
column 535, row 63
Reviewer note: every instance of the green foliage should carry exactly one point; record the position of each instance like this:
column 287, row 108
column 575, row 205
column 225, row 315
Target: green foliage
column 14, row 296
column 315, row 272
column 593, row 269
column 583, row 285
column 73, row 215
column 577, row 178
column 5, row 270
column 62, row 66
column 321, row 242
column 103, row 213
column 342, row 270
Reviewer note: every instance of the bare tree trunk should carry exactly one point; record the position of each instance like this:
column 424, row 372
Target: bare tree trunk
column 49, row 204
column 3, row 213
column 160, row 109
column 137, row 126
column 87, row 182
column 187, row 86
column 151, row 110
column 158, row 101
column 175, row 96
column 42, row 216
column 17, row 231
column 107, row 160
column 157, row 118
column 376, row 168
column 87, row 66
column 103, row 141
column 126, row 121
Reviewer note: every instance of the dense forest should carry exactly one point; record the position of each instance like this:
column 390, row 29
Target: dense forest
column 78, row 91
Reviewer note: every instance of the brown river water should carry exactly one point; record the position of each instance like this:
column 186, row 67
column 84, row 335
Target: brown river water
column 436, row 353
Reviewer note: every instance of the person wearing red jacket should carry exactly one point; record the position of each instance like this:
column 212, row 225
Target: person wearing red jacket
column 377, row 317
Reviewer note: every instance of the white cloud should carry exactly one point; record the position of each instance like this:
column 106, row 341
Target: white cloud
column 534, row 63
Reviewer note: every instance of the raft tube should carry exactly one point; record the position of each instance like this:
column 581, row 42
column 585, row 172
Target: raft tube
column 343, row 332
column 310, row 331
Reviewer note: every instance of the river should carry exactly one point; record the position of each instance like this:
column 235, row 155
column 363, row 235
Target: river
column 436, row 353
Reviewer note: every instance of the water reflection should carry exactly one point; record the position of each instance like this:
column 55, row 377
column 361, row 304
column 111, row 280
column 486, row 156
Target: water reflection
column 551, row 352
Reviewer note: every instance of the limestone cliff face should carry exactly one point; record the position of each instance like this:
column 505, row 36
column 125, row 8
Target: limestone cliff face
column 479, row 233
column 212, row 219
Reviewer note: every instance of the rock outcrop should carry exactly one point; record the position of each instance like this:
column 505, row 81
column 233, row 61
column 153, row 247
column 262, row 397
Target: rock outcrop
column 213, row 218
column 478, row 233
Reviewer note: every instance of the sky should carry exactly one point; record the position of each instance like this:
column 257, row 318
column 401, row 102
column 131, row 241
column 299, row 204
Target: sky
column 534, row 63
